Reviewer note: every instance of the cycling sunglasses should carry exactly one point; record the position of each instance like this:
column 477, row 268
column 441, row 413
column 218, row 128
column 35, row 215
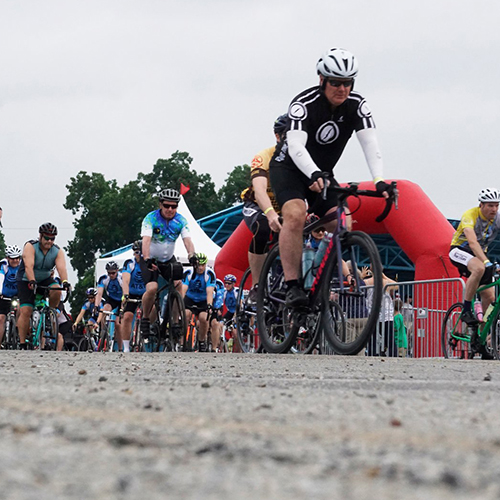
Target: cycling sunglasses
column 338, row 83
column 167, row 205
column 49, row 238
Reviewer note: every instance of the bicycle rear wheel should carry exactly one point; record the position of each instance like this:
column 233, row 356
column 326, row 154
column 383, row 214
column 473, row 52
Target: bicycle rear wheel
column 455, row 338
column 274, row 319
column 351, row 311
column 245, row 317
column 308, row 334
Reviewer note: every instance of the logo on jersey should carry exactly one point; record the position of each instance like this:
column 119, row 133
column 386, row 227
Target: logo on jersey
column 257, row 162
column 327, row 133
column 297, row 111
column 363, row 110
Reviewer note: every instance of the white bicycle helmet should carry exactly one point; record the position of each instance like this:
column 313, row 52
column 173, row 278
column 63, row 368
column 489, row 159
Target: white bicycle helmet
column 337, row 63
column 170, row 195
column 13, row 251
column 489, row 195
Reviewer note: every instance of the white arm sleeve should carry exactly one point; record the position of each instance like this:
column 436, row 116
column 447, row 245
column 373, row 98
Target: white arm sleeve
column 297, row 140
column 368, row 139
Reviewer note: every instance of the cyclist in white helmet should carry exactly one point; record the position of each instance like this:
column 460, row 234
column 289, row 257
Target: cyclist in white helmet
column 8, row 284
column 159, row 232
column 322, row 120
column 477, row 229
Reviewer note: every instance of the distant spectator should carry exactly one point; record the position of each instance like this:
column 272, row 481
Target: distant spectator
column 400, row 336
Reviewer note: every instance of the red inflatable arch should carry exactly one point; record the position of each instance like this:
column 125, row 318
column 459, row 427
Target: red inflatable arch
column 418, row 227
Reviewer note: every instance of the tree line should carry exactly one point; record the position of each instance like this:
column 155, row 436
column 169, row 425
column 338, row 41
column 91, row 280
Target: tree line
column 109, row 216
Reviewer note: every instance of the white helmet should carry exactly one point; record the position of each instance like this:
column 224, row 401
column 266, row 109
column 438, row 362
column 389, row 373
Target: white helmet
column 169, row 194
column 337, row 63
column 13, row 251
column 489, row 195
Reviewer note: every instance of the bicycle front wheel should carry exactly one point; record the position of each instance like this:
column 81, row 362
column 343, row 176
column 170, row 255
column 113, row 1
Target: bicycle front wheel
column 245, row 317
column 103, row 344
column 274, row 319
column 351, row 310
column 11, row 333
column 455, row 338
column 176, row 328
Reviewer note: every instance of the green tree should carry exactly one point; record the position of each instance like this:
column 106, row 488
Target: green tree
column 235, row 183
column 201, row 198
column 2, row 244
column 108, row 217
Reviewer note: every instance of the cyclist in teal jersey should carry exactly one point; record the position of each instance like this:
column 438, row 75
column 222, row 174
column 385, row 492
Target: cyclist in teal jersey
column 36, row 268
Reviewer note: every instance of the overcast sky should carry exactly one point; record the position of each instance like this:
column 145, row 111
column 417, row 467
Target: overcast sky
column 112, row 85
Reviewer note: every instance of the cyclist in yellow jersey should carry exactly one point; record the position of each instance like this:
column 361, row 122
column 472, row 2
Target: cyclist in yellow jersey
column 261, row 210
column 477, row 229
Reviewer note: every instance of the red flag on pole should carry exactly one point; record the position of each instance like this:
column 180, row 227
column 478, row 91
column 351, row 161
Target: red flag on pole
column 184, row 189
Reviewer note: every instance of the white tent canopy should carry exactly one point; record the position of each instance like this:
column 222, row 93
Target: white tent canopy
column 202, row 243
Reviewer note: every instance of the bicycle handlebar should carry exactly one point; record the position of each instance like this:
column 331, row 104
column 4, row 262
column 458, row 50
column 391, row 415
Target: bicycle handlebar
column 53, row 289
column 352, row 190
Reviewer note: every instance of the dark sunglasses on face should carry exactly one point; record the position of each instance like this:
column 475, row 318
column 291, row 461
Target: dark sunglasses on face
column 228, row 283
column 319, row 230
column 49, row 238
column 137, row 251
column 338, row 83
column 167, row 205
column 111, row 273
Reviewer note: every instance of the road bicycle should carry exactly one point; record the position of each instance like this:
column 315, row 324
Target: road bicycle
column 107, row 330
column 44, row 329
column 168, row 330
column 333, row 302
column 11, row 335
column 461, row 341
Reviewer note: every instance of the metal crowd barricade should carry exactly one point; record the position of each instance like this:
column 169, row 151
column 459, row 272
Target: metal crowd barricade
column 424, row 306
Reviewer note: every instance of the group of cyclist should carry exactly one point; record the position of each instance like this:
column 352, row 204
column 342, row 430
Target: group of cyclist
column 153, row 261
column 24, row 272
column 286, row 182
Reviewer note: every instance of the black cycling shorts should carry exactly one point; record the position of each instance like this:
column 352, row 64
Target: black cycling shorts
column 163, row 270
column 257, row 222
column 27, row 296
column 487, row 277
column 5, row 306
column 132, row 306
column 289, row 183
column 193, row 306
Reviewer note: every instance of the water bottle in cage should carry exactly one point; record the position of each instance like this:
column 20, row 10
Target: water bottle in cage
column 321, row 251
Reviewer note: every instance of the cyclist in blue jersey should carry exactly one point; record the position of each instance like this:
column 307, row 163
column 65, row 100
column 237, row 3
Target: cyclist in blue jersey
column 198, row 288
column 36, row 268
column 111, row 284
column 133, row 287
column 159, row 232
column 8, row 284
column 89, row 311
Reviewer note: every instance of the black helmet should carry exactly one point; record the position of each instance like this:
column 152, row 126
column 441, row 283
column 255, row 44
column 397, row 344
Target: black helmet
column 281, row 124
column 111, row 266
column 137, row 245
column 48, row 228
column 169, row 195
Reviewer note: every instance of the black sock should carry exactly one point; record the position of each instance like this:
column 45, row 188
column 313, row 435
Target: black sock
column 467, row 305
column 22, row 346
column 292, row 283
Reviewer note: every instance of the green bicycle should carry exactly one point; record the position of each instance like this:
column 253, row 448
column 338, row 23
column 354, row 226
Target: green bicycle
column 461, row 341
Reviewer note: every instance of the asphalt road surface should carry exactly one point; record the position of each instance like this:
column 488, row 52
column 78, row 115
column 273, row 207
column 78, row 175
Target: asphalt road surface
column 227, row 426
